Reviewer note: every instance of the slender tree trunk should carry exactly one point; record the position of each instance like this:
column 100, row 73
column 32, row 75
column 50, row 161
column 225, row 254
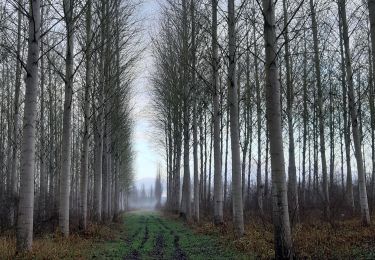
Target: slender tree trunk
column 320, row 109
column 26, row 200
column 208, row 198
column 42, row 161
column 13, row 173
column 372, row 120
column 105, row 173
column 292, row 184
column 186, row 189
column 226, row 159
column 98, row 149
column 305, row 120
column 259, row 192
column 177, row 166
column 282, row 232
column 363, row 202
column 201, row 146
column 331, row 138
column 195, row 127
column 249, row 126
column 85, row 137
column 238, row 220
column 170, row 147
column 117, row 192
column 51, row 162
column 371, row 7
column 218, row 179
column 67, row 122
column 266, row 185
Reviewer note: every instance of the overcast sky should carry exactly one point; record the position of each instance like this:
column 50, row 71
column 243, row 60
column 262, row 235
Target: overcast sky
column 147, row 157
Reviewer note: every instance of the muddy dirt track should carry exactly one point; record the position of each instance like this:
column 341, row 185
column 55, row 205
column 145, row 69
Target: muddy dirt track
column 148, row 235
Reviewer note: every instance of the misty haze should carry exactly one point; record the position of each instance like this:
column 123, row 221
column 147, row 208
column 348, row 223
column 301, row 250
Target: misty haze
column 187, row 129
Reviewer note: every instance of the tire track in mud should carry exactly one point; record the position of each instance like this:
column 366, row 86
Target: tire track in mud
column 135, row 254
column 130, row 239
column 160, row 232
column 178, row 253
column 158, row 250
column 145, row 237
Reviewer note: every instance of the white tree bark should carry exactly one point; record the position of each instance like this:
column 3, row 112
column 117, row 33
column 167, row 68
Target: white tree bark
column 363, row 201
column 320, row 109
column 26, row 201
column 67, row 122
column 292, row 184
column 282, row 232
column 218, row 179
column 13, row 169
column 238, row 221
column 186, row 189
column 371, row 7
column 195, row 126
column 349, row 180
column 98, row 139
column 85, row 138
column 260, row 190
column 105, row 174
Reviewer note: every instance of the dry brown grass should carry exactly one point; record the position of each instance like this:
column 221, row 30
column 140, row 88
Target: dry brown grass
column 54, row 246
column 344, row 239
column 313, row 238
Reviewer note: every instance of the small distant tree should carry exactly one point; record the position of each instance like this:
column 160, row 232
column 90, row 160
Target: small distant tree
column 143, row 192
column 158, row 189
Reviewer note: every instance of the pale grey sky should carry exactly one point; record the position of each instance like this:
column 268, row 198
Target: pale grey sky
column 147, row 157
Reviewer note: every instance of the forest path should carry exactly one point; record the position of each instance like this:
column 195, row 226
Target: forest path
column 149, row 235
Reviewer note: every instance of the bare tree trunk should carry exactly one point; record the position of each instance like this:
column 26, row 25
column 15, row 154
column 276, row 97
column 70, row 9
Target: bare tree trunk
column 292, row 184
column 363, row 202
column 305, row 120
column 42, row 166
column 282, row 232
column 208, row 197
column 372, row 127
column 201, row 145
column 13, row 173
column 259, row 192
column 26, row 201
column 67, row 122
column 218, row 179
column 98, row 139
column 195, row 127
column 170, row 151
column 249, row 126
column 238, row 220
column 105, row 173
column 51, row 166
column 186, row 189
column 116, row 172
column 85, row 137
column 371, row 7
column 177, row 182
column 266, row 185
column 320, row 110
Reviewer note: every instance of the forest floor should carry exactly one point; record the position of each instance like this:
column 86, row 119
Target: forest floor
column 149, row 235
column 314, row 238
column 141, row 235
column 154, row 235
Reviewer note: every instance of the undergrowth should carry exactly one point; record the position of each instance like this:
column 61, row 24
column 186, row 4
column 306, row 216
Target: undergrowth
column 313, row 238
column 54, row 246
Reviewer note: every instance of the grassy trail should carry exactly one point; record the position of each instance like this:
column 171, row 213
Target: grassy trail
column 147, row 235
